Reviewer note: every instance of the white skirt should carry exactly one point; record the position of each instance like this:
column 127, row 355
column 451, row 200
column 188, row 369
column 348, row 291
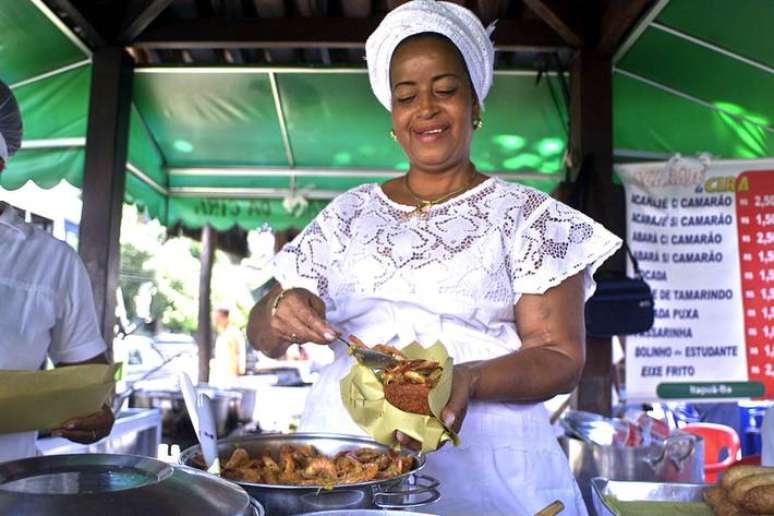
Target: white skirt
column 508, row 463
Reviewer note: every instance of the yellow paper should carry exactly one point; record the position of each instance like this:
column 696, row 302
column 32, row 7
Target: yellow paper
column 363, row 395
column 41, row 400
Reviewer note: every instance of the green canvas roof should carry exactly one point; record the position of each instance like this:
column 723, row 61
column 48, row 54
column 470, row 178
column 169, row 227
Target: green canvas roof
column 225, row 145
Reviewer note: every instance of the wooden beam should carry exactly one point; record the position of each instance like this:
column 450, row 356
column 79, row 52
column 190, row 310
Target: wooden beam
column 270, row 8
column 556, row 13
column 204, row 328
column 591, row 133
column 81, row 25
column 591, row 145
column 137, row 21
column 619, row 18
column 356, row 8
column 318, row 32
column 107, row 139
column 489, row 10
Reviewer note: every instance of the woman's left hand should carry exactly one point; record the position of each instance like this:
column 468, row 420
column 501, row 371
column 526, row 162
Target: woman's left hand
column 454, row 413
column 87, row 429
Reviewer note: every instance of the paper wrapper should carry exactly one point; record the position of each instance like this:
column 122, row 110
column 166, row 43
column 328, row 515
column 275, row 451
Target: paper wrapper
column 363, row 395
column 41, row 400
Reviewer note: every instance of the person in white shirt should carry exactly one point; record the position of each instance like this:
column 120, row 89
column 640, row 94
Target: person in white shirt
column 46, row 305
column 229, row 361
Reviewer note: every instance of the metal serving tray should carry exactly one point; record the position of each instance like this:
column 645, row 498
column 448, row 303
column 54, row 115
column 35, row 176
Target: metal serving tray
column 642, row 492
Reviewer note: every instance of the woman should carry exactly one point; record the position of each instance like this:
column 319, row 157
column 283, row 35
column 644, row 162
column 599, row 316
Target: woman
column 497, row 272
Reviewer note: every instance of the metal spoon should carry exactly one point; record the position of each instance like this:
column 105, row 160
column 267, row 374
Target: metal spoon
column 368, row 357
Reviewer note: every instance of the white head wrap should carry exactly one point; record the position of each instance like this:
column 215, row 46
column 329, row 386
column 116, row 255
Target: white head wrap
column 457, row 23
column 10, row 123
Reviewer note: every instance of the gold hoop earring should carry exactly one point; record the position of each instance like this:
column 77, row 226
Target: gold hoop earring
column 478, row 124
column 393, row 135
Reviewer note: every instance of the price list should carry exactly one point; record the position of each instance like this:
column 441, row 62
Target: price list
column 755, row 219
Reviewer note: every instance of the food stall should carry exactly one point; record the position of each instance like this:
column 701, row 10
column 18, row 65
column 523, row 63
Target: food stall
column 170, row 174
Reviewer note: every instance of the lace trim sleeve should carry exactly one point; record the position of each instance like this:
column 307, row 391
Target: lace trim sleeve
column 306, row 261
column 556, row 243
column 303, row 263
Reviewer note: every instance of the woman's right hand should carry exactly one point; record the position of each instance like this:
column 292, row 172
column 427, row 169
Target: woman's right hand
column 300, row 317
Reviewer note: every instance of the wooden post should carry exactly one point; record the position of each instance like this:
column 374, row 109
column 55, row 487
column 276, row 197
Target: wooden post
column 284, row 236
column 591, row 141
column 104, row 175
column 204, row 329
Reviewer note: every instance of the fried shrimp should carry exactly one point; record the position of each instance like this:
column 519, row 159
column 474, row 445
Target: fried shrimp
column 305, row 465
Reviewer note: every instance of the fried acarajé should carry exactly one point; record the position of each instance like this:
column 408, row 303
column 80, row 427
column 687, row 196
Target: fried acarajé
column 407, row 385
column 305, row 465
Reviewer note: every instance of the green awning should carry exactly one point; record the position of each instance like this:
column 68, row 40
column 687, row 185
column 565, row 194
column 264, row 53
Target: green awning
column 337, row 133
column 226, row 145
column 54, row 113
column 30, row 44
column 699, row 79
column 249, row 213
column 741, row 26
column 225, row 120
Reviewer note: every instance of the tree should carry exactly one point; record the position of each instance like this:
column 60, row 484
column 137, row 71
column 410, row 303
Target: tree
column 169, row 269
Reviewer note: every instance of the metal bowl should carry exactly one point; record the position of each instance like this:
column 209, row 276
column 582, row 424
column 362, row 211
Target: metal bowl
column 174, row 414
column 402, row 492
column 119, row 485
column 657, row 492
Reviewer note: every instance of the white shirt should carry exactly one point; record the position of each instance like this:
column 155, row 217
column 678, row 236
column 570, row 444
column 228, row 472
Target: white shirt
column 46, row 309
column 453, row 275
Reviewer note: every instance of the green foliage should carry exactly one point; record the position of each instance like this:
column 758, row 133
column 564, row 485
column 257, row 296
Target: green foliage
column 165, row 273
column 132, row 274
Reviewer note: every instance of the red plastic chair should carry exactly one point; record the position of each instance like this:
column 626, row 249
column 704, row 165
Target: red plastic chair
column 716, row 438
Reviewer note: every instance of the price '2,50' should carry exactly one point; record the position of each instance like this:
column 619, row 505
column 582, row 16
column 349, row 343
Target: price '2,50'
column 764, row 201
column 764, row 237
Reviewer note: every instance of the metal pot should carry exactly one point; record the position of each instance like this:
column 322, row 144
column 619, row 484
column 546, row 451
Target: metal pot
column 679, row 459
column 174, row 414
column 246, row 405
column 402, row 492
column 119, row 485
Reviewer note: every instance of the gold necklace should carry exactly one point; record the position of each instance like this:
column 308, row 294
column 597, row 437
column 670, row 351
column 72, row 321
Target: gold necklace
column 424, row 204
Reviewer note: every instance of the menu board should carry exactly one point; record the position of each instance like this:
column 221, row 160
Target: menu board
column 755, row 222
column 703, row 233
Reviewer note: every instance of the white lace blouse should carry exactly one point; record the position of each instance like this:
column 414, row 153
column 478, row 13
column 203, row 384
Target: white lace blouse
column 452, row 274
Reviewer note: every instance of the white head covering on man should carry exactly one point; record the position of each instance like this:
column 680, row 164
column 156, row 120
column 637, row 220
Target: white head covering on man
column 460, row 25
column 10, row 123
